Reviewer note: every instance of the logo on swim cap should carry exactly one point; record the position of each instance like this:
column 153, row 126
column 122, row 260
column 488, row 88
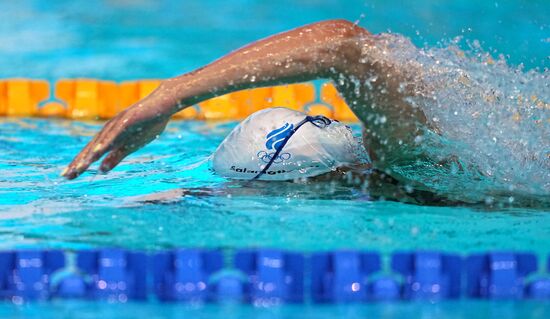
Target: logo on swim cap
column 275, row 141
column 276, row 137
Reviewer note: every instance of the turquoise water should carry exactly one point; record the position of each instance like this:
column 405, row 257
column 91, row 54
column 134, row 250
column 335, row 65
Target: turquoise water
column 456, row 309
column 122, row 40
column 39, row 208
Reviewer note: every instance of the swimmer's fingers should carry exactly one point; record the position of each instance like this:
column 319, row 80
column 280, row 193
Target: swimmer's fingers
column 114, row 158
column 122, row 150
column 122, row 135
column 91, row 153
column 100, row 145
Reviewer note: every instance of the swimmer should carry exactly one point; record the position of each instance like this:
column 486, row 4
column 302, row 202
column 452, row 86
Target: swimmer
column 335, row 49
column 280, row 144
column 386, row 94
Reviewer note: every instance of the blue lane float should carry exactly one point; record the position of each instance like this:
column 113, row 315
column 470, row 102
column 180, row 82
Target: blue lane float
column 540, row 288
column 184, row 275
column 26, row 274
column 428, row 275
column 343, row 276
column 267, row 277
column 272, row 276
column 499, row 275
column 111, row 274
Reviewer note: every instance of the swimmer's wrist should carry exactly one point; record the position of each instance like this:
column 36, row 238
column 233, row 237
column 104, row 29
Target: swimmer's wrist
column 163, row 101
column 174, row 95
column 181, row 92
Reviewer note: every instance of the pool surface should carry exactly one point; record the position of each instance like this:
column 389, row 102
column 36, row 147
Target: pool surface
column 140, row 205
column 457, row 309
column 165, row 196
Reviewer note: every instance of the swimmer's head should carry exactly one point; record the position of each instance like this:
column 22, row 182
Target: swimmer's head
column 283, row 144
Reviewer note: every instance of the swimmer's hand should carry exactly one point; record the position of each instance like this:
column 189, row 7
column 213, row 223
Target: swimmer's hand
column 127, row 132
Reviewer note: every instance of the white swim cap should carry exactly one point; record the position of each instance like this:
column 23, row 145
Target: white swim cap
column 316, row 145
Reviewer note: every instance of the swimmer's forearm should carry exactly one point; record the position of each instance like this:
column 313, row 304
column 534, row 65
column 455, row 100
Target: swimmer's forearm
column 320, row 50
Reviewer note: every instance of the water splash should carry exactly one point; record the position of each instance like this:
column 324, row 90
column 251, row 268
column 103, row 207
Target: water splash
column 492, row 141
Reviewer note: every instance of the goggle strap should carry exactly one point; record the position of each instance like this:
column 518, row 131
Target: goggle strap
column 319, row 121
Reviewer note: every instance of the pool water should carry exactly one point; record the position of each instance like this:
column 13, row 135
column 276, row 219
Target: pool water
column 164, row 195
column 40, row 209
column 454, row 309
column 140, row 204
column 121, row 40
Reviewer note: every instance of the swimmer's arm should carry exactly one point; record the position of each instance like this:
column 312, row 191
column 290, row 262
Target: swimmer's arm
column 321, row 50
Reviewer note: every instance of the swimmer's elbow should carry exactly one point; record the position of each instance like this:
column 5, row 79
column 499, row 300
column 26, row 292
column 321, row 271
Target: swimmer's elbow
column 344, row 42
column 343, row 28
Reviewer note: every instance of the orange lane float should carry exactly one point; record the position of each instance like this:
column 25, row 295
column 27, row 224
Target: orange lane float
column 320, row 109
column 223, row 107
column 98, row 99
column 87, row 98
column 252, row 100
column 236, row 105
column 20, row 97
column 131, row 92
column 52, row 109
column 294, row 96
column 342, row 111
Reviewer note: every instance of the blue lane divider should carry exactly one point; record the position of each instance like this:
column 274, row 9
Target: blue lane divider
column 384, row 289
column 273, row 276
column 343, row 276
column 540, row 288
column 26, row 274
column 499, row 275
column 112, row 274
column 184, row 274
column 228, row 286
column 72, row 286
column 428, row 275
column 268, row 276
